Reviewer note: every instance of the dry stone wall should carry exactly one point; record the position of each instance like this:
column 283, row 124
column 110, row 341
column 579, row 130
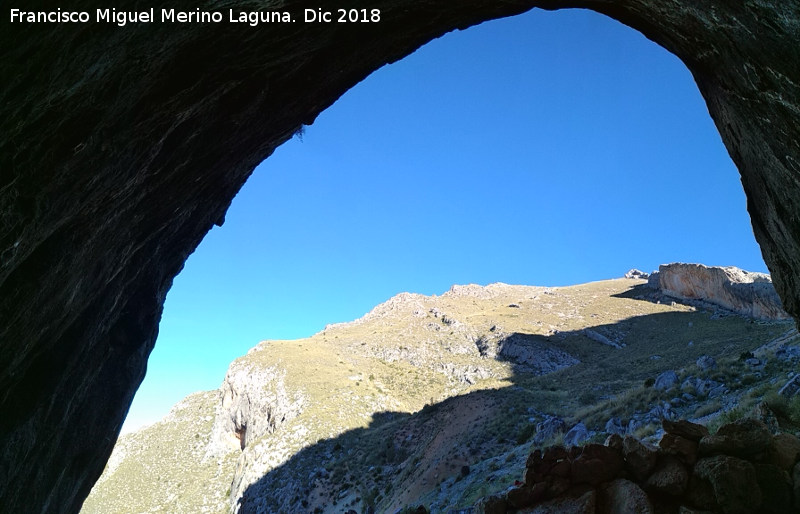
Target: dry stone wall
column 743, row 468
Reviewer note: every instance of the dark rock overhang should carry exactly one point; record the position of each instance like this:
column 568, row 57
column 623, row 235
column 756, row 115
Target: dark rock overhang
column 122, row 147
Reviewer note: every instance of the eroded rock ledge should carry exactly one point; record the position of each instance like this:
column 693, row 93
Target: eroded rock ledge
column 742, row 292
column 122, row 147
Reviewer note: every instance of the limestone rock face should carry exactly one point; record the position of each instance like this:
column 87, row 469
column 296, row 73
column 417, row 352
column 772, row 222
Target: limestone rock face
column 122, row 148
column 254, row 402
column 533, row 355
column 743, row 292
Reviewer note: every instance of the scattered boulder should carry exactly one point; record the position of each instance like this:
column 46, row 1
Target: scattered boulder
column 660, row 412
column 637, row 274
column 666, row 380
column 704, row 386
column 717, row 391
column 597, row 337
column 788, row 353
column 614, row 426
column 576, row 435
column 548, row 429
column 706, row 363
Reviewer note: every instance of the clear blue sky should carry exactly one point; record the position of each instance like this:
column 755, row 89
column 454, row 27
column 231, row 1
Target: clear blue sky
column 545, row 149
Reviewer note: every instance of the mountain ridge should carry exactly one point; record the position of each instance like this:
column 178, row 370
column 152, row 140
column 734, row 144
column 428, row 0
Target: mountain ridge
column 502, row 360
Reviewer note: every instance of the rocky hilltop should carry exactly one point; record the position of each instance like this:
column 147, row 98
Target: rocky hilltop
column 438, row 400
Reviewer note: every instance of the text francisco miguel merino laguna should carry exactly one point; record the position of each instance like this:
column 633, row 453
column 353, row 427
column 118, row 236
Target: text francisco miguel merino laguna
column 251, row 18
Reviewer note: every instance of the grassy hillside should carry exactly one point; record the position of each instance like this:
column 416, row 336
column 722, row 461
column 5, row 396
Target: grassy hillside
column 434, row 399
column 162, row 468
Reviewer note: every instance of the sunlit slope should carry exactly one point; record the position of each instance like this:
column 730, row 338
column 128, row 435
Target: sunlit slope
column 390, row 408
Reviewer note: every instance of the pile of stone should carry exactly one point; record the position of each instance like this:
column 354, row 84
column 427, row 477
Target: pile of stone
column 741, row 469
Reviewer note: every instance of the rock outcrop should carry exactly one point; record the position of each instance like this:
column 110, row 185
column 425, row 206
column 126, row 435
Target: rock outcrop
column 253, row 402
column 742, row 292
column 734, row 471
column 122, row 147
column 528, row 352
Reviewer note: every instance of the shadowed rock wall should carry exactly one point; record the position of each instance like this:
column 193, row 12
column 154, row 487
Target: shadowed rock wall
column 121, row 147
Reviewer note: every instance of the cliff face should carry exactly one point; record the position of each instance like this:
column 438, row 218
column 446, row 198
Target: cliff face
column 253, row 402
column 747, row 293
column 122, row 147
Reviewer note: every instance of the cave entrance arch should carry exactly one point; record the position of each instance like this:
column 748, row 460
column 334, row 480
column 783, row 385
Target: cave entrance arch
column 123, row 148
column 474, row 160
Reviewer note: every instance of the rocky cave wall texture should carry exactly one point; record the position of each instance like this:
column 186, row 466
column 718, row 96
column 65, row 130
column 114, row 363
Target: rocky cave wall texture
column 122, row 146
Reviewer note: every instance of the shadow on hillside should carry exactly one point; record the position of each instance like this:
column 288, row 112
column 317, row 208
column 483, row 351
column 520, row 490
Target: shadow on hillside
column 645, row 292
column 401, row 456
column 638, row 292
